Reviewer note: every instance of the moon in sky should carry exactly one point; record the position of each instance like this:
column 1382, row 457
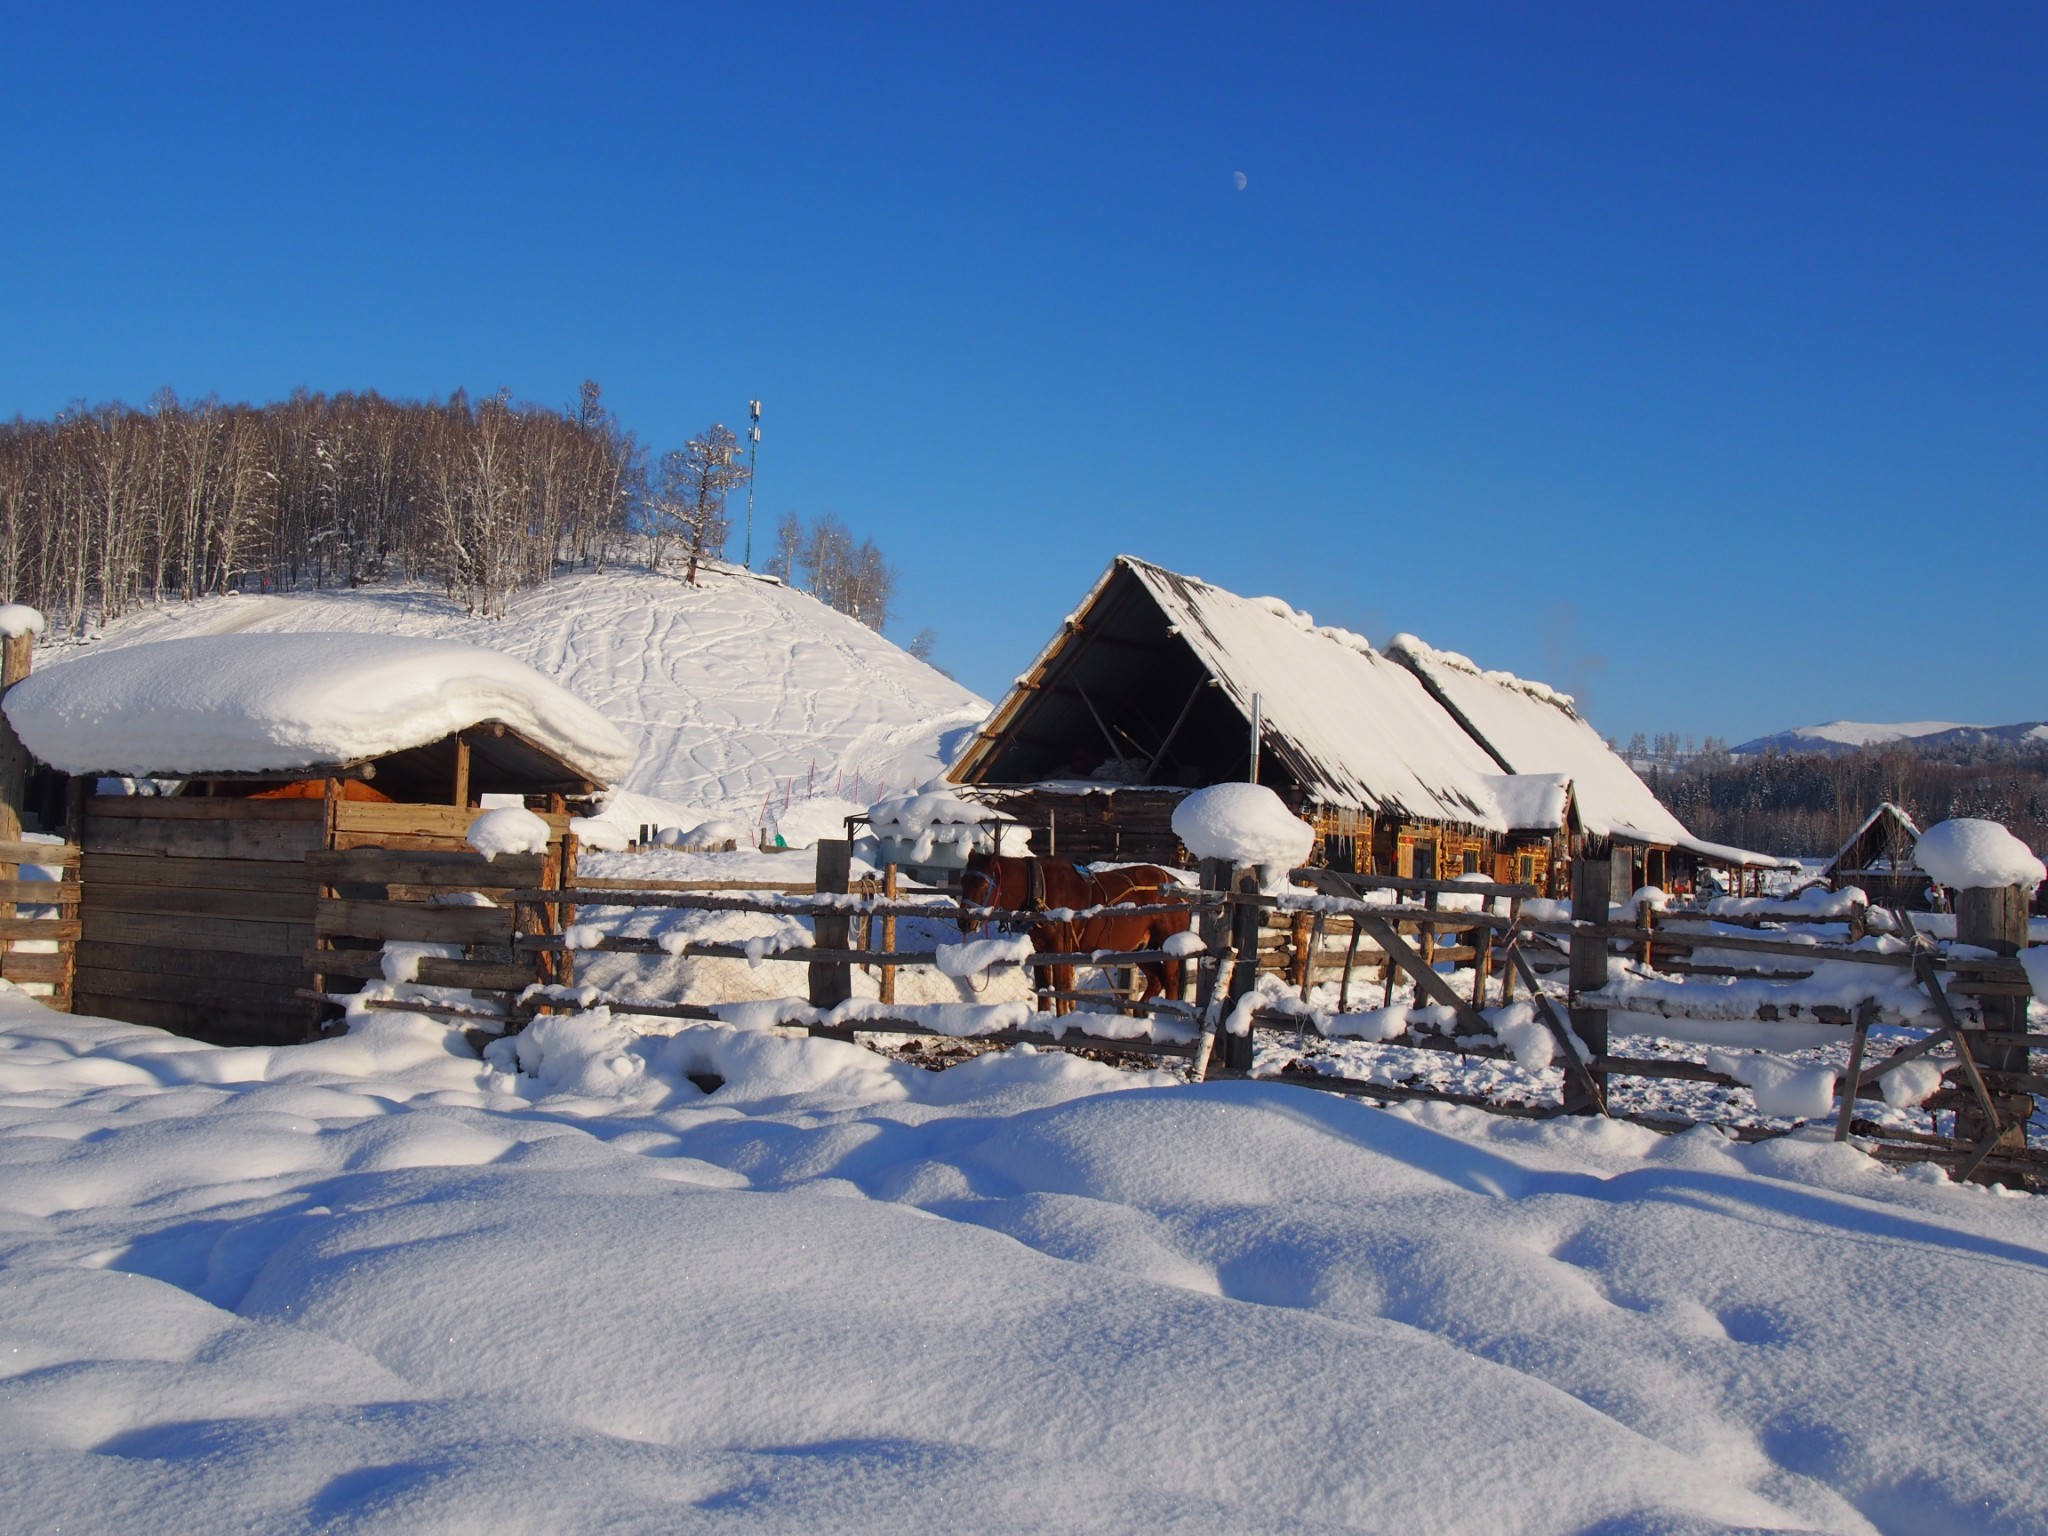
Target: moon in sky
column 1238, row 180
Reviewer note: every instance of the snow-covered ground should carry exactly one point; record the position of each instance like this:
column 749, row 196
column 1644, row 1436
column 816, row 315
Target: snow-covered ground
column 739, row 693
column 372, row 1284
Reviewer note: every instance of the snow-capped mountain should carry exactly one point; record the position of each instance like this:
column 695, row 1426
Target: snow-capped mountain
column 1849, row 735
column 735, row 690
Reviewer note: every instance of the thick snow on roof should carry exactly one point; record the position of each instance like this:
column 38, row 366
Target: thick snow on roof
column 1530, row 728
column 1534, row 729
column 729, row 689
column 1355, row 727
column 1532, row 802
column 246, row 703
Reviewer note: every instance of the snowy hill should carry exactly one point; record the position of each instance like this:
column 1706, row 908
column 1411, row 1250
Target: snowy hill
column 1848, row 735
column 735, row 691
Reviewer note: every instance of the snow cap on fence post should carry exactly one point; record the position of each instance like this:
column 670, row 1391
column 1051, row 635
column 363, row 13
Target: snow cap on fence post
column 509, row 829
column 1967, row 853
column 1247, row 825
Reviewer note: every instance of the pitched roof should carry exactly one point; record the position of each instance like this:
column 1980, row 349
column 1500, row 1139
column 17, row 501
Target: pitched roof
column 1885, row 809
column 1350, row 726
column 1529, row 727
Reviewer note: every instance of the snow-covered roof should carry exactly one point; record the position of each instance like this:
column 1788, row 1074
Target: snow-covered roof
column 1352, row 725
column 1533, row 802
column 252, row 703
column 1884, row 808
column 1530, row 728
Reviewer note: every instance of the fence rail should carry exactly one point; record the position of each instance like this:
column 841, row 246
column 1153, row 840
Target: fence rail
column 39, row 947
column 1356, row 932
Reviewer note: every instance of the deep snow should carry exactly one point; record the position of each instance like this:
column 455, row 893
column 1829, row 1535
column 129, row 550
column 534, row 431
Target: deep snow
column 373, row 1285
column 738, row 693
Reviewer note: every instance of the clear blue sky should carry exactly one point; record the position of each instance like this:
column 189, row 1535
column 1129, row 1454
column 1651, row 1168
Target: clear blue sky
column 1692, row 357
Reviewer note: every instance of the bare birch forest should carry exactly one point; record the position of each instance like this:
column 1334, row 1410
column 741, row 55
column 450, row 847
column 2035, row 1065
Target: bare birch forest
column 109, row 508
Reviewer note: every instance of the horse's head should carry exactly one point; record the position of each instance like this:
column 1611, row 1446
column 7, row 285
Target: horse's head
column 981, row 885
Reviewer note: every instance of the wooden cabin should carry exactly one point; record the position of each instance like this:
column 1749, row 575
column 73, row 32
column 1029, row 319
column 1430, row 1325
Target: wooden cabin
column 1878, row 858
column 198, row 905
column 1530, row 729
column 1150, row 690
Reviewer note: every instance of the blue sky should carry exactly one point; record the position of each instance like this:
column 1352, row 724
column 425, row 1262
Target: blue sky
column 1693, row 357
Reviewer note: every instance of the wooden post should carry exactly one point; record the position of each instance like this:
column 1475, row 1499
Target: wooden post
column 565, row 915
column 1866, row 1015
column 1482, row 956
column 888, row 985
column 1590, row 887
column 832, row 981
column 1350, row 958
column 16, row 657
column 461, row 797
column 1507, row 980
column 1315, row 948
column 1237, row 1049
column 1996, row 919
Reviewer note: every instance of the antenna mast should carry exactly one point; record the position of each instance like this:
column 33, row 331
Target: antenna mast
column 753, row 455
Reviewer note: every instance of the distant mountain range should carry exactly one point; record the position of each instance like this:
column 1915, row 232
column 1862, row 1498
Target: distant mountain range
column 1850, row 735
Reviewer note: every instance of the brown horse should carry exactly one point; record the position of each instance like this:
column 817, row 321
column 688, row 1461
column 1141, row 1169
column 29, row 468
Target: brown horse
column 1048, row 885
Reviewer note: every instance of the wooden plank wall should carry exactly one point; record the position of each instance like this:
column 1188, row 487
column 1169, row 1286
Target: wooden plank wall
column 198, row 915
column 370, row 824
column 370, row 895
column 194, row 914
column 51, row 925
column 1134, row 825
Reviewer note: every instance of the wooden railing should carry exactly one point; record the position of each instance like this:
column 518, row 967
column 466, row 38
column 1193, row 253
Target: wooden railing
column 39, row 945
column 1345, row 932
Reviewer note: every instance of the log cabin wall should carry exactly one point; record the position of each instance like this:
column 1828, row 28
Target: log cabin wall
column 195, row 913
column 1431, row 851
column 1531, row 860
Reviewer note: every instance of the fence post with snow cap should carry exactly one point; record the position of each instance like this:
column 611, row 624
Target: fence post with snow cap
column 1995, row 918
column 1244, row 941
column 832, row 980
column 18, row 628
column 1591, row 885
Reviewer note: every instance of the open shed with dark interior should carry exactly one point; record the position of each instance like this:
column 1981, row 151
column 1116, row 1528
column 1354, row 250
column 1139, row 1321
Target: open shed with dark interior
column 1151, row 690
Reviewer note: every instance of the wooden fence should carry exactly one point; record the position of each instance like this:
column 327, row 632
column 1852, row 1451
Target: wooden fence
column 1358, row 932
column 39, row 945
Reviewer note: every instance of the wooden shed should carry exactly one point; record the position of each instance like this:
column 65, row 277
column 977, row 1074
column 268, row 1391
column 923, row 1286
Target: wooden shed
column 206, row 910
column 1878, row 858
column 1150, row 691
